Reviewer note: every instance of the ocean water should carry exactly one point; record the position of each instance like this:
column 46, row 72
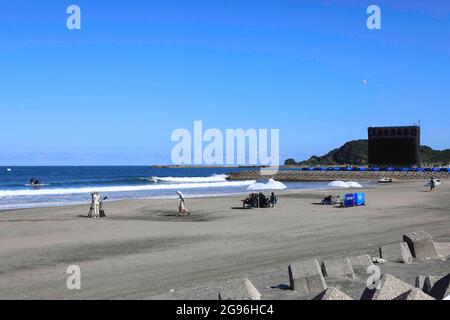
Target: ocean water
column 73, row 184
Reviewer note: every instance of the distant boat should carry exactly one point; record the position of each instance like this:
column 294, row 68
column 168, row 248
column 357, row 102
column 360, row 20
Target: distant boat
column 437, row 182
column 385, row 180
column 8, row 169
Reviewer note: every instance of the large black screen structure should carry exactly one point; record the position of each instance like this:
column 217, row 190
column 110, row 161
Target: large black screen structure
column 394, row 146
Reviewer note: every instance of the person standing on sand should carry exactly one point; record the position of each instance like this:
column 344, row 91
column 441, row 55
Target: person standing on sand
column 432, row 185
column 96, row 204
column 273, row 199
column 182, row 205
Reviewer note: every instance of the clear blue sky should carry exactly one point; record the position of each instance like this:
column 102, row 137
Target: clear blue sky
column 112, row 92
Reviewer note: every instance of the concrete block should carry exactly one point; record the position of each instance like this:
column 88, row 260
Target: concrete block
column 438, row 288
column 429, row 283
column 338, row 268
column 332, row 294
column 414, row 294
column 238, row 289
column 306, row 276
column 396, row 252
column 361, row 261
column 443, row 249
column 421, row 245
column 420, row 282
column 390, row 288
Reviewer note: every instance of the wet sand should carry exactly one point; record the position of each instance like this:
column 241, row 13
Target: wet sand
column 143, row 250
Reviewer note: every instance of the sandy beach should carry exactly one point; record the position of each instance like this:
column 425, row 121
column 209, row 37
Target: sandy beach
column 142, row 250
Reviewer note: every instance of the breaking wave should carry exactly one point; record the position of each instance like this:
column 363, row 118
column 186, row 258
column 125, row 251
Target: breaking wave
column 81, row 190
column 213, row 178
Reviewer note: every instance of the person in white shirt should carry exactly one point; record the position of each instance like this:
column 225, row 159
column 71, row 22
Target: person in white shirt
column 96, row 204
column 182, row 210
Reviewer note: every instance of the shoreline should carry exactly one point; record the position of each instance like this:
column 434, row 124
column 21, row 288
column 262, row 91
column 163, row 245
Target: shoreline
column 142, row 250
column 193, row 196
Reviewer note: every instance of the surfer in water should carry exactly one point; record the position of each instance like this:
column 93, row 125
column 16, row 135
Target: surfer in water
column 34, row 182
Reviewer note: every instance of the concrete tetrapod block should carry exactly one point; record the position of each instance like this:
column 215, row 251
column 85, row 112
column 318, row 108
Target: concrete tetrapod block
column 390, row 288
column 361, row 261
column 396, row 252
column 443, row 249
column 338, row 268
column 429, row 283
column 332, row 294
column 438, row 289
column 306, row 276
column 414, row 294
column 239, row 289
column 420, row 283
column 421, row 245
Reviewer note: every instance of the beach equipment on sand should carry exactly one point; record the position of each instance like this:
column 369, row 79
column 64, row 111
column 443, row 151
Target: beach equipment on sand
column 269, row 184
column 354, row 184
column 354, row 199
column 338, row 184
column 385, row 180
column 101, row 211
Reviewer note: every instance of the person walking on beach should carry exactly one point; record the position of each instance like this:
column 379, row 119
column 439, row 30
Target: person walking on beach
column 432, row 184
column 182, row 210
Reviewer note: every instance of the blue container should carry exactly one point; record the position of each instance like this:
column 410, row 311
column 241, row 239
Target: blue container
column 349, row 200
column 360, row 199
column 354, row 199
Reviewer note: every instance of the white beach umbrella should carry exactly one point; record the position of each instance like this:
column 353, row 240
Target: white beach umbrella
column 257, row 186
column 338, row 184
column 354, row 184
column 275, row 185
column 270, row 184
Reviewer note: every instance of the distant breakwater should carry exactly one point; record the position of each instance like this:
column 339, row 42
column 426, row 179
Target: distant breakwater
column 292, row 175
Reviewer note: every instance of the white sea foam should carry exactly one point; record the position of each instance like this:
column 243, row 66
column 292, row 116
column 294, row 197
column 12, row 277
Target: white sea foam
column 60, row 191
column 213, row 178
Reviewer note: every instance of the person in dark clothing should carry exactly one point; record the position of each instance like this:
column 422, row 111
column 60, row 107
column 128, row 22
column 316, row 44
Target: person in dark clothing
column 432, row 184
column 273, row 199
column 262, row 200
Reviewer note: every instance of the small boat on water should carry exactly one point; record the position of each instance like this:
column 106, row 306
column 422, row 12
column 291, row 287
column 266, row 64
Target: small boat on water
column 385, row 180
column 437, row 182
column 153, row 179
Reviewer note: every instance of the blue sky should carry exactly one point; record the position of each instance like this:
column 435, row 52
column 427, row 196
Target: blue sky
column 113, row 92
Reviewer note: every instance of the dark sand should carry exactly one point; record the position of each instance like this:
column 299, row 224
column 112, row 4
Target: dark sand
column 143, row 250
